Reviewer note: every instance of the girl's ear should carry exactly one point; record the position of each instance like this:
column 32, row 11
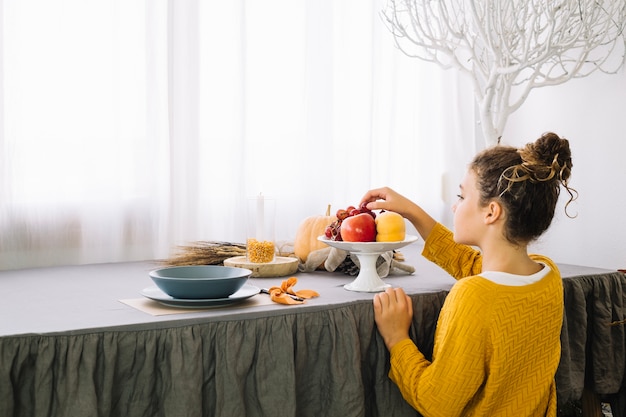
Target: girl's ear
column 493, row 212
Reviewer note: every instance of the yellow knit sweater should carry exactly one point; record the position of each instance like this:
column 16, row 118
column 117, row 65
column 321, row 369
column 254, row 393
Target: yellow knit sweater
column 497, row 347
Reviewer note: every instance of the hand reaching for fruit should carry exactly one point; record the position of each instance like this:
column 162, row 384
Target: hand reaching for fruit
column 363, row 225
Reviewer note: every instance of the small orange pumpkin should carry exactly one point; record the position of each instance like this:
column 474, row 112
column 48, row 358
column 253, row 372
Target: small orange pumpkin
column 309, row 230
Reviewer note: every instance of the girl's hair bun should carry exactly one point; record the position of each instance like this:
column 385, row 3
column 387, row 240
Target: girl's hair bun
column 547, row 159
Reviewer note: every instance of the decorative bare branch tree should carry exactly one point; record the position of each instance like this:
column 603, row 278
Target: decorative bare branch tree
column 509, row 47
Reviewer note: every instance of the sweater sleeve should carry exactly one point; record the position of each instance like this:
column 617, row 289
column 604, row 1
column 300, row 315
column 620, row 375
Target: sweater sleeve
column 445, row 386
column 458, row 260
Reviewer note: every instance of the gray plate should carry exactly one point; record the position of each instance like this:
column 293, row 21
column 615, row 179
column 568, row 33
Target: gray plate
column 154, row 293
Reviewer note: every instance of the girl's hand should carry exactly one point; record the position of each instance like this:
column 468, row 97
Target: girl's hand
column 387, row 199
column 393, row 312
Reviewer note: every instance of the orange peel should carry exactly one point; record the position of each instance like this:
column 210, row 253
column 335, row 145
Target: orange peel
column 284, row 293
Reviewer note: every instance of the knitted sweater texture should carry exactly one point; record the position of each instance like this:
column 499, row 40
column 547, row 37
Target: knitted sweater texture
column 497, row 347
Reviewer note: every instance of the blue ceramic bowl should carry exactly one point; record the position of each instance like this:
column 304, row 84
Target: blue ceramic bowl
column 200, row 281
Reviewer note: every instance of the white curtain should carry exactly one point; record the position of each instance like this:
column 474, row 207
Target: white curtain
column 130, row 127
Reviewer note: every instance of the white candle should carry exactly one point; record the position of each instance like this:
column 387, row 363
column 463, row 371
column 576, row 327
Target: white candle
column 260, row 217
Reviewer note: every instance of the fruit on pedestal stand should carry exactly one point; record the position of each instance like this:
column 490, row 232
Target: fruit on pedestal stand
column 390, row 227
column 333, row 231
column 358, row 228
column 308, row 232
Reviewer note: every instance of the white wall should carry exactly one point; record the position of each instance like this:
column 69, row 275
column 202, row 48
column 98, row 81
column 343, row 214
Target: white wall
column 591, row 113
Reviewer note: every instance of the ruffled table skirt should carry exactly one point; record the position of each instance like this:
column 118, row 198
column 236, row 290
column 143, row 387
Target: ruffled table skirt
column 326, row 363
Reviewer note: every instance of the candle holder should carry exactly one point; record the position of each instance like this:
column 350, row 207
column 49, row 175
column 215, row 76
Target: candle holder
column 260, row 246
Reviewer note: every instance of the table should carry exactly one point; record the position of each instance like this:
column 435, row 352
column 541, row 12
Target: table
column 69, row 347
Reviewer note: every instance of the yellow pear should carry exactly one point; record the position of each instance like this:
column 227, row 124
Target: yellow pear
column 390, row 227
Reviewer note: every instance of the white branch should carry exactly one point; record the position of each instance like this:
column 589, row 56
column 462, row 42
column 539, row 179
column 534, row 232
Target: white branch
column 510, row 47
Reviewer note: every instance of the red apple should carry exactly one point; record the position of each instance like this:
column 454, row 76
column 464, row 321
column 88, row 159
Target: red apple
column 359, row 228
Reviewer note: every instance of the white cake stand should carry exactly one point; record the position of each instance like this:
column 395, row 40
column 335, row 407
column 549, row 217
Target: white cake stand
column 368, row 253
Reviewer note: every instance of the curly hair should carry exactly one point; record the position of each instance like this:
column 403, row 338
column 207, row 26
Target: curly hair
column 526, row 182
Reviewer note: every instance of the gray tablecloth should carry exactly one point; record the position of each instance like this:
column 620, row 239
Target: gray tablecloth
column 68, row 347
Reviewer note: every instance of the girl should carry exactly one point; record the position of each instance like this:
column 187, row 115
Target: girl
column 497, row 344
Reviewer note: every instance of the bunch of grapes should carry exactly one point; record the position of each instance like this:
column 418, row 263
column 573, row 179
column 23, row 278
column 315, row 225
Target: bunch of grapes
column 333, row 230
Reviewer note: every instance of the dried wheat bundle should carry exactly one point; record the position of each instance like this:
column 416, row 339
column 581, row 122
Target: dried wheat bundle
column 206, row 253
